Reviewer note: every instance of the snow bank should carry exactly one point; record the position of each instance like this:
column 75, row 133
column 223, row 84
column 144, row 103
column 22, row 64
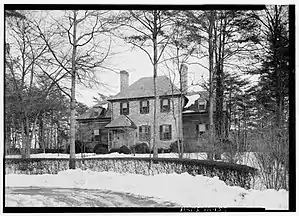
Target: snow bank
column 183, row 189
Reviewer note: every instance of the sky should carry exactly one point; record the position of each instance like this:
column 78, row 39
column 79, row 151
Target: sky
column 137, row 64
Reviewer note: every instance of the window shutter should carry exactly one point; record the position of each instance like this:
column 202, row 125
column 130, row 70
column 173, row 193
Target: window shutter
column 140, row 129
column 140, row 104
column 148, row 108
column 128, row 107
column 170, row 131
column 121, row 108
column 197, row 128
column 161, row 105
column 161, row 133
column 149, row 132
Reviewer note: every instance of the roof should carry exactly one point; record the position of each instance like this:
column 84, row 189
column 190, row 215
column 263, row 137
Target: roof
column 94, row 112
column 144, row 87
column 97, row 111
column 121, row 122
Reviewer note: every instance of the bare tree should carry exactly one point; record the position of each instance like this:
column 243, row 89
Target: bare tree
column 25, row 68
column 84, row 36
column 151, row 30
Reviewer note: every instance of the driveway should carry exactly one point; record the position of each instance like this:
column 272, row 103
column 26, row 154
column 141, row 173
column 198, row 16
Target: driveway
column 69, row 197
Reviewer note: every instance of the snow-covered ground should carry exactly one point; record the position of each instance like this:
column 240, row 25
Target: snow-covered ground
column 183, row 189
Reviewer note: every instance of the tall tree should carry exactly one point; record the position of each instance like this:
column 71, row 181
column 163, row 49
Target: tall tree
column 86, row 47
column 24, row 66
column 274, row 73
column 151, row 34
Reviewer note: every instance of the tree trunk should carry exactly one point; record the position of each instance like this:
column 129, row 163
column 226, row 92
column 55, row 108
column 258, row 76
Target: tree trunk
column 211, row 80
column 72, row 162
column 155, row 149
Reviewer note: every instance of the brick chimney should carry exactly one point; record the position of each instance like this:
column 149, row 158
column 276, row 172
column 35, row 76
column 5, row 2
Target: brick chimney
column 184, row 78
column 124, row 80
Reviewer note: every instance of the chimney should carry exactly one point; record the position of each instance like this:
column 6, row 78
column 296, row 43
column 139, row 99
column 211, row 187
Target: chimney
column 124, row 80
column 184, row 78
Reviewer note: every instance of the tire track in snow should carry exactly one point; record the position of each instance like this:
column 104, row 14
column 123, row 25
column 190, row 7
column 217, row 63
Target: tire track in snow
column 73, row 197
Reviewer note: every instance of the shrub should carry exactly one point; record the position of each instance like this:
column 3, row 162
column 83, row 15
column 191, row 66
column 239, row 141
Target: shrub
column 114, row 150
column 124, row 150
column 232, row 174
column 100, row 149
column 14, row 151
column 79, row 147
column 174, row 146
column 141, row 148
column 162, row 150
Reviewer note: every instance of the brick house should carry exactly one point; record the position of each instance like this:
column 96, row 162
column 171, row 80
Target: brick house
column 196, row 118
column 127, row 118
column 91, row 125
column 132, row 112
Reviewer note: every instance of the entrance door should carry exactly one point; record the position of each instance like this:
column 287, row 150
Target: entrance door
column 120, row 138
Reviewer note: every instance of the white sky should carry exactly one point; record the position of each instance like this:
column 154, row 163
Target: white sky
column 137, row 64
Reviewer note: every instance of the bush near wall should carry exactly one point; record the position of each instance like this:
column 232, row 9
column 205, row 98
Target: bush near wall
column 231, row 174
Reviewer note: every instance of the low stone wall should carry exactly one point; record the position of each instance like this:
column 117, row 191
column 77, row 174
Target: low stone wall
column 232, row 174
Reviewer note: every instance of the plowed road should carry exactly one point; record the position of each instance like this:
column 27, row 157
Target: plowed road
column 55, row 197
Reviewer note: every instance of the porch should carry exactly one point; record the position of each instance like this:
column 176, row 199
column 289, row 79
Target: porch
column 121, row 132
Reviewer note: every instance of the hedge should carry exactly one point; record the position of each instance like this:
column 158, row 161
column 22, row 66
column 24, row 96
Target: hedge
column 231, row 174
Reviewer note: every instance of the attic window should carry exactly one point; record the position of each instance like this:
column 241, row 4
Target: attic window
column 124, row 108
column 201, row 106
column 165, row 105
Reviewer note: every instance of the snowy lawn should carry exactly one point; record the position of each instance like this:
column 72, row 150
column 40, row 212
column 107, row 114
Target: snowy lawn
column 183, row 189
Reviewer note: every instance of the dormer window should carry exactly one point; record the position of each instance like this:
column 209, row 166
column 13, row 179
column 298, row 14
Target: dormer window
column 144, row 106
column 124, row 108
column 165, row 105
column 201, row 106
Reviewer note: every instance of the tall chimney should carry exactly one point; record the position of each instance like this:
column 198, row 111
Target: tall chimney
column 124, row 80
column 184, row 78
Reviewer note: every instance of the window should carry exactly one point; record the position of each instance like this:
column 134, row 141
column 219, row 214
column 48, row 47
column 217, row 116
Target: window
column 165, row 132
column 200, row 129
column 124, row 108
column 96, row 135
column 144, row 133
column 144, row 107
column 201, row 106
column 165, row 105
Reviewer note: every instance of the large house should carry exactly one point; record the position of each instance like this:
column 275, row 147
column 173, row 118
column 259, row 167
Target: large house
column 128, row 117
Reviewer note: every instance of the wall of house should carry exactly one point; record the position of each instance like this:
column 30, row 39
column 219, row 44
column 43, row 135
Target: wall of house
column 85, row 132
column 148, row 119
column 191, row 138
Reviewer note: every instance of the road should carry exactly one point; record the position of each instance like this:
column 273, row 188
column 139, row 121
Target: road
column 69, row 197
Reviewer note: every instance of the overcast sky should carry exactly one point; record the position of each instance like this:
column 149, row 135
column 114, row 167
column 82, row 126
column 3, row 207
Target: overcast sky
column 138, row 65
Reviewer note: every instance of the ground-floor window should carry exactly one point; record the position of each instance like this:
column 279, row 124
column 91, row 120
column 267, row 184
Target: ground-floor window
column 165, row 132
column 144, row 132
column 201, row 129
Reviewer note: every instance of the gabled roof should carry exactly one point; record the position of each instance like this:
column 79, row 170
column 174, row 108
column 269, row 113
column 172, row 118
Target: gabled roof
column 121, row 122
column 144, row 87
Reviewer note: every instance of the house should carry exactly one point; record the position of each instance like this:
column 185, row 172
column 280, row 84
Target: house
column 196, row 118
column 132, row 112
column 128, row 117
column 91, row 125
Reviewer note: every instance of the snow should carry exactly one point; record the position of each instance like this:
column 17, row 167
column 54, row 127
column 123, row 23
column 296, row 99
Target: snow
column 183, row 189
column 192, row 99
